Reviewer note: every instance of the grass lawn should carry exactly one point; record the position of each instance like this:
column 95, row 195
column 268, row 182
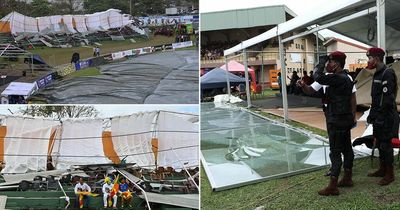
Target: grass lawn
column 300, row 191
column 91, row 71
column 57, row 56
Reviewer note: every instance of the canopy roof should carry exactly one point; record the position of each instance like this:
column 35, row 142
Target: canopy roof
column 19, row 88
column 235, row 66
column 216, row 78
column 360, row 14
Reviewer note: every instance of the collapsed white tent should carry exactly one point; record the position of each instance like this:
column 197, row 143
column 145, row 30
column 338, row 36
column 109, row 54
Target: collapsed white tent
column 139, row 138
column 17, row 23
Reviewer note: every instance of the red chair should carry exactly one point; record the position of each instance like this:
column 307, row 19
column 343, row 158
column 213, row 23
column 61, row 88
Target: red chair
column 258, row 91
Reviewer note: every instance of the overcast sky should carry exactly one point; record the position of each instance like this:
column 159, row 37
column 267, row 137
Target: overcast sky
column 118, row 110
column 297, row 6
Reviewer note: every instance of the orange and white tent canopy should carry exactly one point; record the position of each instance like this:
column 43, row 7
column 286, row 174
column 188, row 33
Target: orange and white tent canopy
column 17, row 23
column 147, row 139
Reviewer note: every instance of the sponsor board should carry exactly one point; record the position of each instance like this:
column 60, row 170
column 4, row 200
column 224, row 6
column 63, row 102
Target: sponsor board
column 83, row 64
column 121, row 54
column 182, row 44
column 44, row 81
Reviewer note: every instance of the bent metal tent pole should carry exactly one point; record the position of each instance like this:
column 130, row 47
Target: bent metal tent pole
column 133, row 182
column 184, row 168
column 65, row 195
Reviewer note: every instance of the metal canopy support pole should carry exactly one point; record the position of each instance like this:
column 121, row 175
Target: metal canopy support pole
column 317, row 40
column 184, row 168
column 381, row 23
column 32, row 64
column 227, row 77
column 262, row 70
column 246, row 74
column 283, row 78
column 333, row 23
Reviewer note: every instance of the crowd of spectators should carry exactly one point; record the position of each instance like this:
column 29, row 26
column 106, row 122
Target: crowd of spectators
column 215, row 49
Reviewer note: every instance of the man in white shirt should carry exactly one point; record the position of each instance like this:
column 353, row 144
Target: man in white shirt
column 107, row 188
column 81, row 186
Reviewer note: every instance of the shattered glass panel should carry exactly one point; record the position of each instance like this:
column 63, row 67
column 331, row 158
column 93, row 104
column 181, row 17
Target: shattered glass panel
column 239, row 148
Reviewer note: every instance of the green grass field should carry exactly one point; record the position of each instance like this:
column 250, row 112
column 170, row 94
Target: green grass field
column 300, row 191
column 91, row 71
column 58, row 56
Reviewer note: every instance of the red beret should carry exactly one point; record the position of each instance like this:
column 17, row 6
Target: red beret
column 375, row 51
column 337, row 55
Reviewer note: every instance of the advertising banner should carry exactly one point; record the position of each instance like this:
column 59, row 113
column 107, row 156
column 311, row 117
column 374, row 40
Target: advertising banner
column 182, row 44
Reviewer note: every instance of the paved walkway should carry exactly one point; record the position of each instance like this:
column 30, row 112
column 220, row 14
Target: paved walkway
column 304, row 109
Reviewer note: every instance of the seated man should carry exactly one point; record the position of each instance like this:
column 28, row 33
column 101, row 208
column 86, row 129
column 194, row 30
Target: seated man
column 125, row 193
column 82, row 191
column 108, row 193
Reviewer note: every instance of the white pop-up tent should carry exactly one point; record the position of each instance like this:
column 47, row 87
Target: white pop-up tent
column 149, row 139
column 374, row 22
column 22, row 89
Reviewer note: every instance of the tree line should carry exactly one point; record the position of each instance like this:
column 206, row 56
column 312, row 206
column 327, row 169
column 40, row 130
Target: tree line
column 37, row 8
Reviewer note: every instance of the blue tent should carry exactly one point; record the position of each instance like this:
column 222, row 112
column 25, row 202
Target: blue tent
column 216, row 78
column 36, row 60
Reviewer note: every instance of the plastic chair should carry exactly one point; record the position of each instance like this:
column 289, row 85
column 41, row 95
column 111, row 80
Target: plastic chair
column 395, row 145
column 258, row 91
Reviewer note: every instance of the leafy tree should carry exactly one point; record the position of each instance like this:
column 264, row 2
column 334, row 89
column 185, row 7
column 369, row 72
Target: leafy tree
column 40, row 8
column 64, row 7
column 8, row 6
column 62, row 111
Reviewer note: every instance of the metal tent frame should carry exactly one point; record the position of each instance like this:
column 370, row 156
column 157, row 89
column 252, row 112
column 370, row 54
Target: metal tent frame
column 325, row 18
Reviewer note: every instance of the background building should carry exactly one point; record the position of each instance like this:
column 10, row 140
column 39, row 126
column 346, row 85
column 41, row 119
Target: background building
column 224, row 29
column 355, row 53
